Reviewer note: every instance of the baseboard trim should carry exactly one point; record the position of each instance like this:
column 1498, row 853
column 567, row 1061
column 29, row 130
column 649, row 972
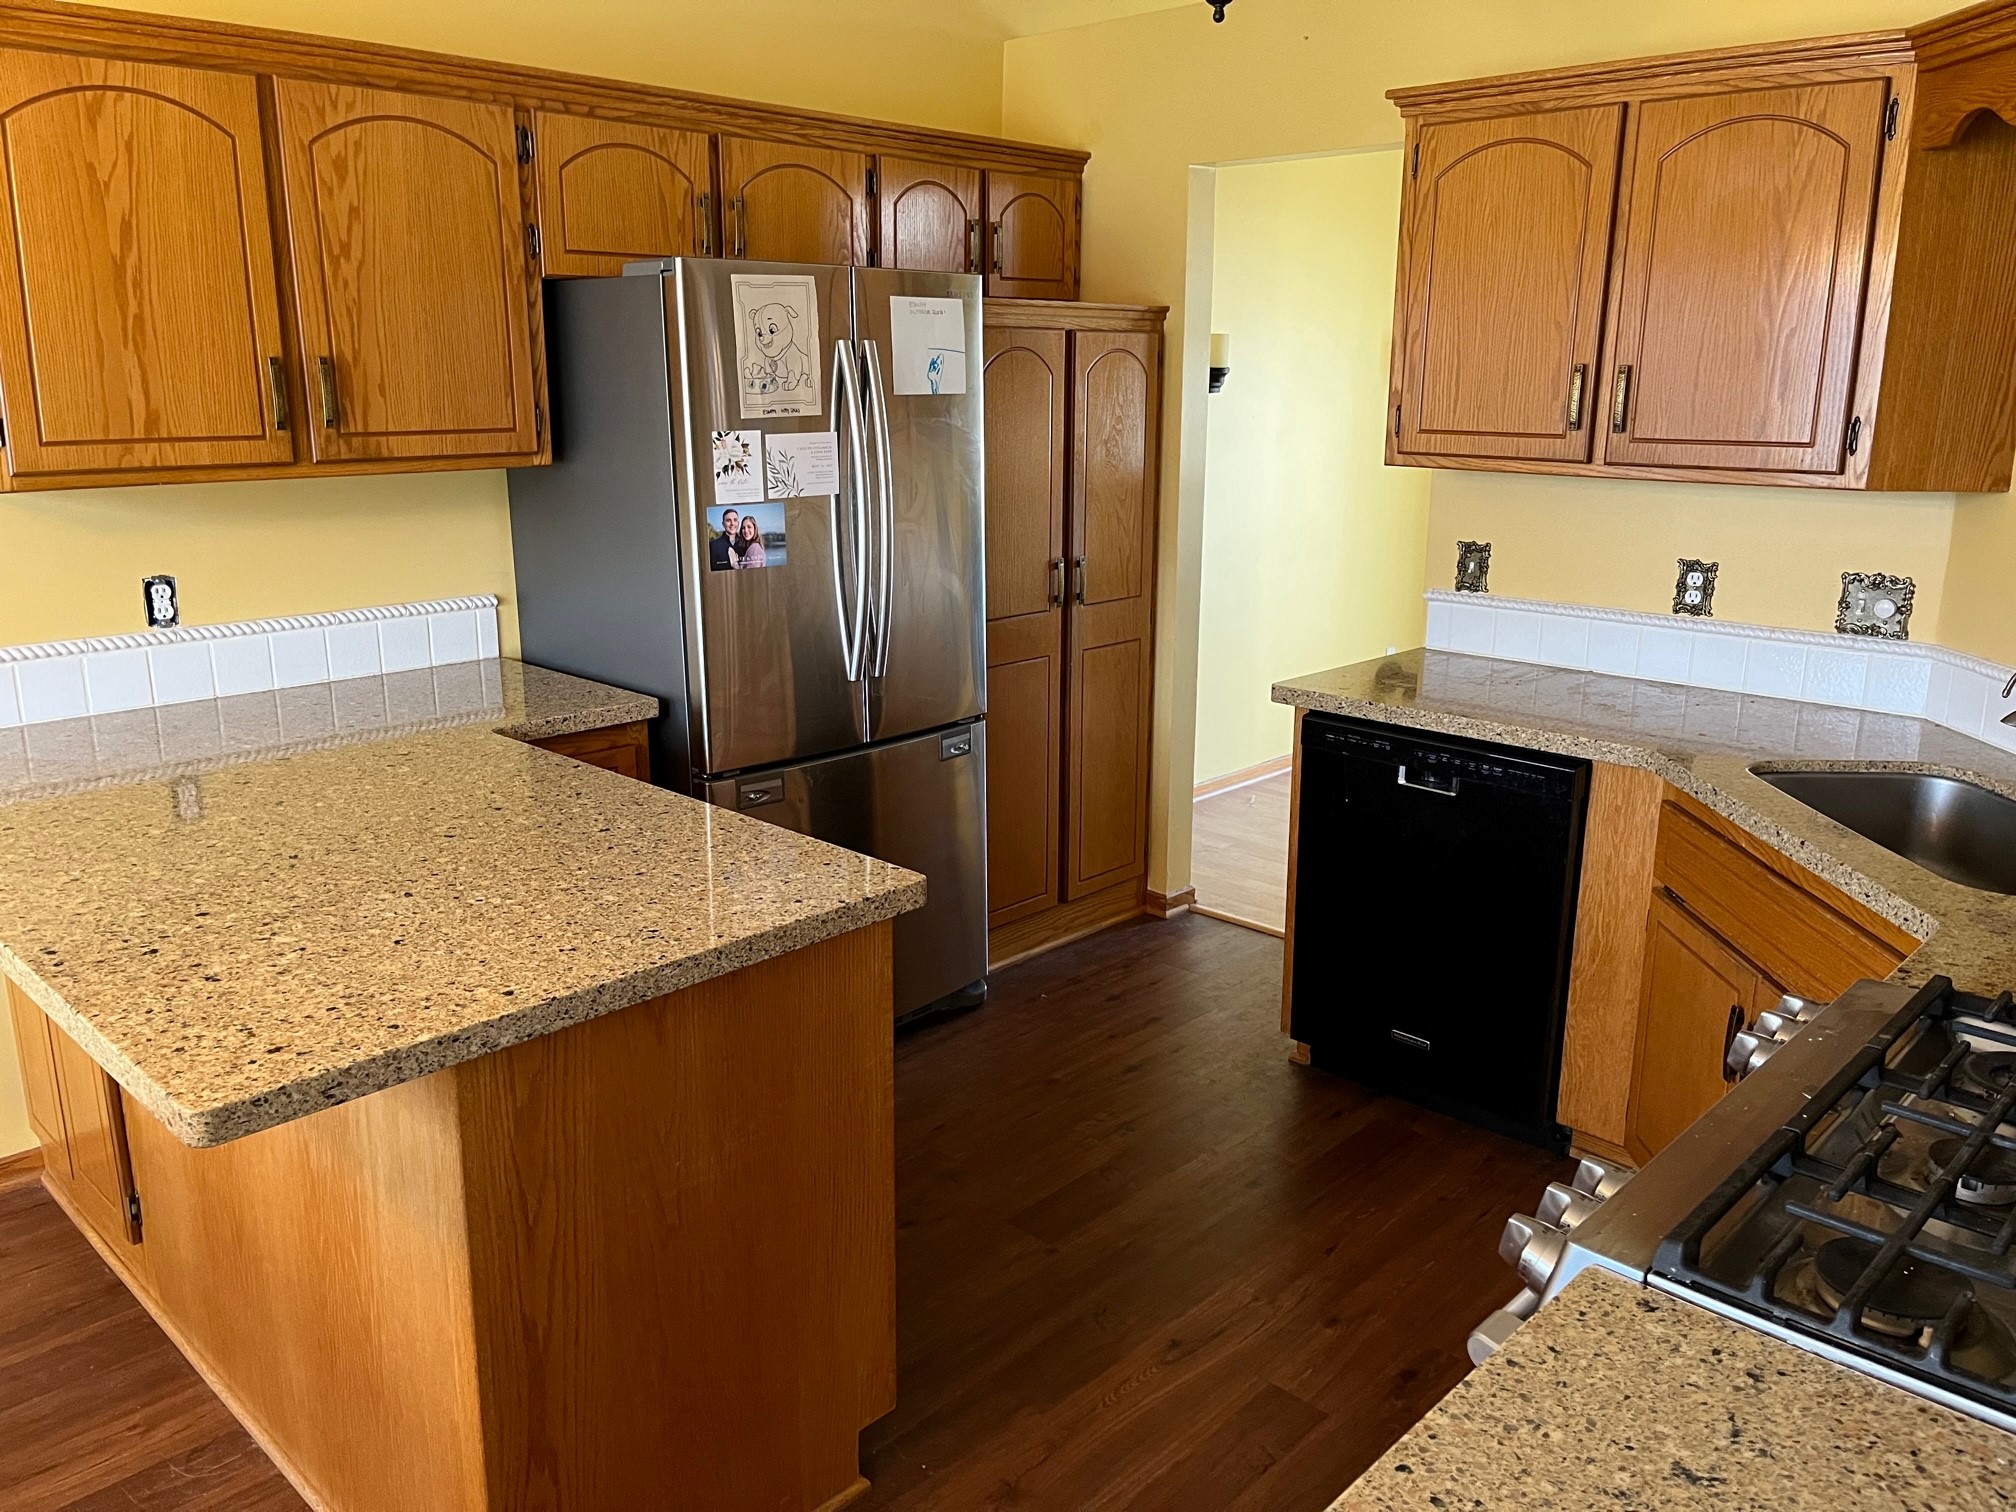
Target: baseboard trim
column 25, row 1166
column 1231, row 918
column 1244, row 777
column 1008, row 944
column 1168, row 905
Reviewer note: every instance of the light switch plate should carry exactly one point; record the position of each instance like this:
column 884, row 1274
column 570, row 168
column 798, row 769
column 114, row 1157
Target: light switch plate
column 1694, row 588
column 1473, row 566
column 1875, row 603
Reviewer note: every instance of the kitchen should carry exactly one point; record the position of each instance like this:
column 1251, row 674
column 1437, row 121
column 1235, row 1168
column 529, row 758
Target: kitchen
column 1106, row 1241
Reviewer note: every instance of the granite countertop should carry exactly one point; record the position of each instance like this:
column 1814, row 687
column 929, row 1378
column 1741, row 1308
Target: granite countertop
column 1616, row 1396
column 1705, row 742
column 255, row 908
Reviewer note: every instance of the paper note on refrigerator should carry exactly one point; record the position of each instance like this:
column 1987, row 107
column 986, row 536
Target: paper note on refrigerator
column 927, row 341
column 776, row 344
column 802, row 464
column 738, row 467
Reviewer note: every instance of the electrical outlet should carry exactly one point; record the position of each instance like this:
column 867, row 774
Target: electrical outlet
column 1473, row 566
column 1875, row 603
column 1694, row 589
column 163, row 604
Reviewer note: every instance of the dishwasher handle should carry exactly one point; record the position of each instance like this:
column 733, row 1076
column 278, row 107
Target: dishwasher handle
column 1430, row 781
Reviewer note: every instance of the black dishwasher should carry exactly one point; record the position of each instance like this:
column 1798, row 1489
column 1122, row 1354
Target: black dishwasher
column 1434, row 918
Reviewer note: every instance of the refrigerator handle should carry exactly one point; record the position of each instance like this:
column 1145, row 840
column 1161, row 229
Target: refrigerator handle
column 885, row 509
column 850, row 516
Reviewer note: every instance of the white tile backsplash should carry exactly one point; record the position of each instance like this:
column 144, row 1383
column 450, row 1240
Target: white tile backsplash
column 1846, row 674
column 52, row 687
column 242, row 666
column 353, row 651
column 182, row 672
column 300, row 657
column 115, row 681
column 452, row 637
column 10, row 699
column 403, row 645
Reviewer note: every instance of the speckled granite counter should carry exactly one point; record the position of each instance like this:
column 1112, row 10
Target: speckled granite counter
column 1615, row 1396
column 242, row 936
column 1705, row 742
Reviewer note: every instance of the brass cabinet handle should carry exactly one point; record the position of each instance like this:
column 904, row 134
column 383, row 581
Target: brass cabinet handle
column 1081, row 580
column 996, row 230
column 276, row 389
column 1057, row 581
column 1620, row 399
column 1576, row 381
column 325, row 370
column 973, row 246
column 1729, row 1033
column 703, row 210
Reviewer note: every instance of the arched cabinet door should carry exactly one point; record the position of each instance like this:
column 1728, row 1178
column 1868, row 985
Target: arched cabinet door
column 140, row 323
column 1507, row 233
column 411, row 273
column 1032, row 236
column 613, row 192
column 786, row 203
column 929, row 215
column 1739, row 289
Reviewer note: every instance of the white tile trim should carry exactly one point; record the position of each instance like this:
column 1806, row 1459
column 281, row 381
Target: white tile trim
column 1948, row 687
column 104, row 674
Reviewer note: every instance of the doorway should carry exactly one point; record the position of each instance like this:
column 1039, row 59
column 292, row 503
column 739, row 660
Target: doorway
column 1313, row 549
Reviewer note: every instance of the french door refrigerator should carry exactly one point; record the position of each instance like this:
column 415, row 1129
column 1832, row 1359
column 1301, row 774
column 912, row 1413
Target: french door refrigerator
column 765, row 508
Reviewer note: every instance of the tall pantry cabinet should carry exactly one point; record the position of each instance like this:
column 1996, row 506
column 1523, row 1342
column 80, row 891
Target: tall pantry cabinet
column 1073, row 399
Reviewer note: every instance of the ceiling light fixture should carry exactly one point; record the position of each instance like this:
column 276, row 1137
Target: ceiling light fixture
column 1218, row 8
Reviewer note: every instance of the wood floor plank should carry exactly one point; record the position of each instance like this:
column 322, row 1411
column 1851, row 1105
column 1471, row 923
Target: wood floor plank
column 1239, row 853
column 1144, row 1264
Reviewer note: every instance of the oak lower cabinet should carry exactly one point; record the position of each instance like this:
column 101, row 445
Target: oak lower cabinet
column 411, row 274
column 613, row 192
column 787, row 202
column 622, row 749
column 1751, row 265
column 141, row 327
column 1073, row 403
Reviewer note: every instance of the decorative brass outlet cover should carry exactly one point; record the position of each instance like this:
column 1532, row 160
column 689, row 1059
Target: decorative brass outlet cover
column 1694, row 588
column 1473, row 566
column 1875, row 603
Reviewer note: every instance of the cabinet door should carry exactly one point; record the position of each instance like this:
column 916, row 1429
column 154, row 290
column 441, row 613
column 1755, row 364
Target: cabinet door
column 1508, row 231
column 1115, row 384
column 930, row 215
column 410, row 273
column 141, row 325
column 1739, row 294
column 101, row 1169
column 794, row 204
column 1696, row 986
column 1032, row 236
column 612, row 192
column 1026, row 381
column 38, row 1078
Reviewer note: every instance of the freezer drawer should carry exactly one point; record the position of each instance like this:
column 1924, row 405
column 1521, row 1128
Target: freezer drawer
column 918, row 803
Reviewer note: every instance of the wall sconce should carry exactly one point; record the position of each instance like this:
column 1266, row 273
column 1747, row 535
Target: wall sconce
column 1221, row 359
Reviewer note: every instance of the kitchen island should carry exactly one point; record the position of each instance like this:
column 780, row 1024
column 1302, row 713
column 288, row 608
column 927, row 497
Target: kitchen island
column 488, row 1129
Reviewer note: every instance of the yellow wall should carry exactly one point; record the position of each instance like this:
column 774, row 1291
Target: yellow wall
column 1979, row 613
column 1151, row 96
column 1312, row 545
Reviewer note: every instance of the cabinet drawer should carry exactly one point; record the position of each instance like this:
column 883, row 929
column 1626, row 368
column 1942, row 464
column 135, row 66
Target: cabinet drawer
column 1804, row 933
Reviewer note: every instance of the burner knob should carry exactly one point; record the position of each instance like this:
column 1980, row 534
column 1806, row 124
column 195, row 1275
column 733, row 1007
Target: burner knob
column 1776, row 1026
column 1524, row 1305
column 1599, row 1179
column 1532, row 1248
column 1743, row 1046
column 1488, row 1337
column 1799, row 1008
column 1564, row 1207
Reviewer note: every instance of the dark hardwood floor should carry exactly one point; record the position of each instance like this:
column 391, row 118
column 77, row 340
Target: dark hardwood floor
column 1145, row 1264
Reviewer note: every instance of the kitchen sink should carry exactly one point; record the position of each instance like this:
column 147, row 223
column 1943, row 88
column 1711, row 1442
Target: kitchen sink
column 1959, row 830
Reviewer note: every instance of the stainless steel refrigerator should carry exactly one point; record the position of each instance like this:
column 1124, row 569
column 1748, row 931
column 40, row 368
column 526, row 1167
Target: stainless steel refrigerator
column 823, row 667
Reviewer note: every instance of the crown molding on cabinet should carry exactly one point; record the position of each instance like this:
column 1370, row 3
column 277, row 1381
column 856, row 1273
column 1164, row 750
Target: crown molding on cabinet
column 1070, row 315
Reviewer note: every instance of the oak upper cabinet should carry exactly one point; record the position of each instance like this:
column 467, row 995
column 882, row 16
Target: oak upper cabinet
column 1496, row 366
column 790, row 203
column 612, row 192
column 1073, row 403
column 1739, row 277
column 1765, row 283
column 1027, row 377
column 1032, row 236
column 140, row 320
column 929, row 215
column 1698, row 994
column 411, row 274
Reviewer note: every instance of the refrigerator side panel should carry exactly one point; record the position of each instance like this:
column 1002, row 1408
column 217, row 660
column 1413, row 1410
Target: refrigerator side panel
column 917, row 803
column 595, row 534
column 933, row 657
column 767, row 629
